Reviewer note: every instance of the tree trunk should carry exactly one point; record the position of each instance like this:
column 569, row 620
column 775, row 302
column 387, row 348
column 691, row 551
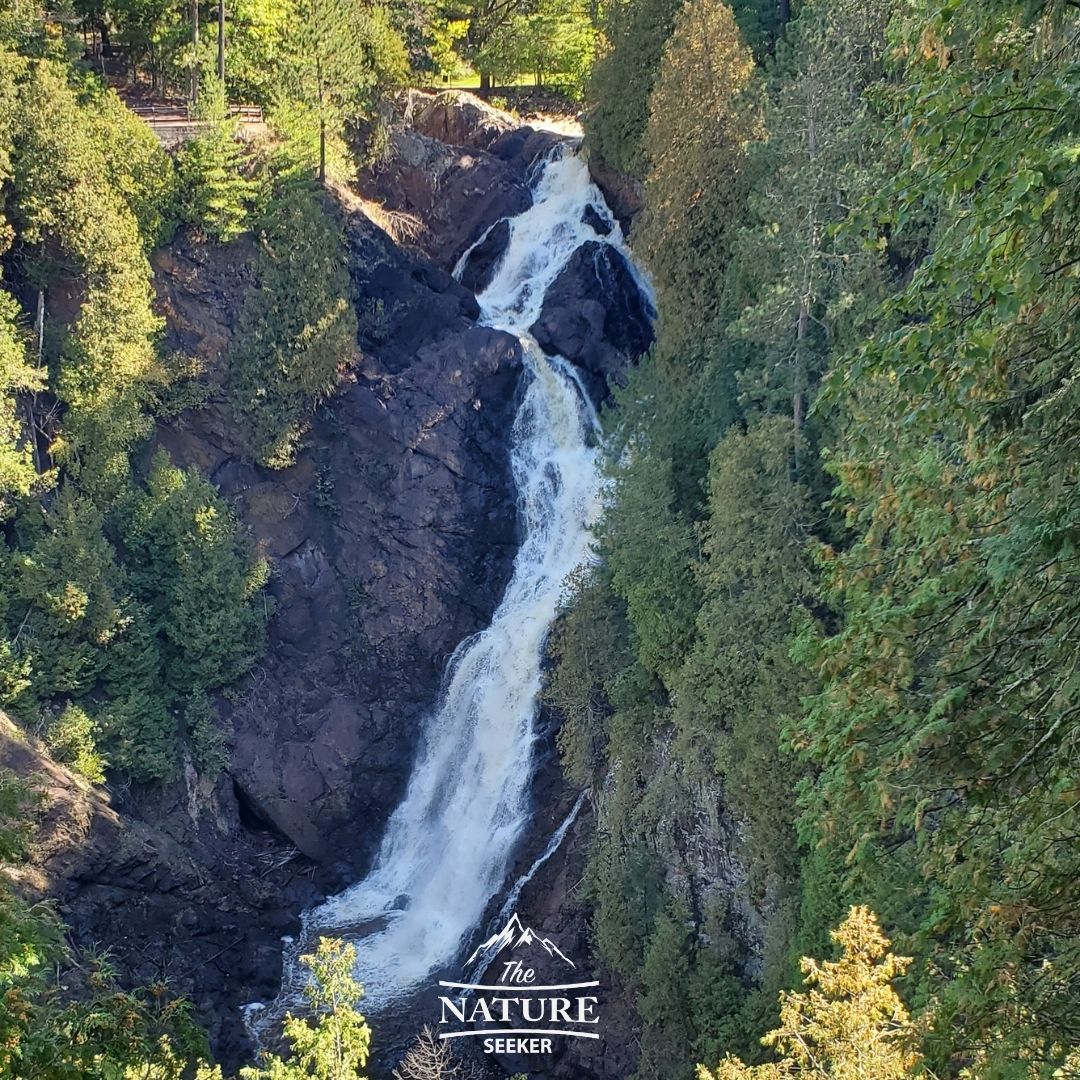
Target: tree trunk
column 221, row 42
column 322, row 151
column 485, row 81
column 798, row 379
column 195, row 43
column 784, row 7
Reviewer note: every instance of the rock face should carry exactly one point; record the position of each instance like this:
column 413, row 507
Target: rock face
column 455, row 165
column 453, row 193
column 454, row 118
column 595, row 316
column 483, row 260
column 390, row 539
column 193, row 898
column 624, row 194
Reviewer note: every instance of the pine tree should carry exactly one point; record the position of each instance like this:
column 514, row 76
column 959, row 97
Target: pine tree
column 850, row 1024
column 623, row 78
column 696, row 184
column 17, row 473
column 215, row 195
column 336, row 58
column 817, row 163
column 334, row 1044
column 297, row 330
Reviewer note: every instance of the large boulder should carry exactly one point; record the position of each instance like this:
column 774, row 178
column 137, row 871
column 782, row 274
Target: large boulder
column 484, row 259
column 455, row 117
column 454, row 194
column 596, row 316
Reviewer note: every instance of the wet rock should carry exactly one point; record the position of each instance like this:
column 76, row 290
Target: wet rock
column 599, row 225
column 484, row 259
column 624, row 194
column 596, row 317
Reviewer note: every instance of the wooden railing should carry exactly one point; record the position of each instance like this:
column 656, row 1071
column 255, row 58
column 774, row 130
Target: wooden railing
column 172, row 121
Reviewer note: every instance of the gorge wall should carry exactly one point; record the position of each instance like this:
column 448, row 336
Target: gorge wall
column 389, row 540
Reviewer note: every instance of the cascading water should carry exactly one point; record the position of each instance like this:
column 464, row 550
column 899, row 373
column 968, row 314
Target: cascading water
column 447, row 847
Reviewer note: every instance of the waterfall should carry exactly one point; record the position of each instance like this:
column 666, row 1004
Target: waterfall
column 448, row 845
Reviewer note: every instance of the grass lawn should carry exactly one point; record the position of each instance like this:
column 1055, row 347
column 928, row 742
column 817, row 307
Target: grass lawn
column 472, row 82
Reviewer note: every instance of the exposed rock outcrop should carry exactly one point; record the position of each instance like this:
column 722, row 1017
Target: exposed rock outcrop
column 595, row 316
column 454, row 193
column 186, row 899
column 391, row 539
column 483, row 259
column 455, row 164
column 455, row 118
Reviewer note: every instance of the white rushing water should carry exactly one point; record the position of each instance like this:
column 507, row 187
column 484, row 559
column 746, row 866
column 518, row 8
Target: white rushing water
column 447, row 847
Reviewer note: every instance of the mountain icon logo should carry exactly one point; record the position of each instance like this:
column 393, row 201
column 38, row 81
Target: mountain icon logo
column 516, row 935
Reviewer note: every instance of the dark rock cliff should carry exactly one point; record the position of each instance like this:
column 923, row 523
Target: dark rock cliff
column 390, row 539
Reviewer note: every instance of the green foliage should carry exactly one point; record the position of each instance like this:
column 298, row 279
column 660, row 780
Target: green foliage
column 336, row 62
column 696, row 183
column 634, row 35
column 196, row 577
column 107, row 368
column 664, row 1002
column 335, row 1046
column 215, row 195
column 18, row 476
column 70, row 738
column 67, row 598
column 946, row 731
column 739, row 680
column 101, row 1032
column 138, row 167
column 297, row 330
column 890, row 209
column 117, row 604
column 209, row 742
column 849, row 1025
column 554, row 43
column 807, row 283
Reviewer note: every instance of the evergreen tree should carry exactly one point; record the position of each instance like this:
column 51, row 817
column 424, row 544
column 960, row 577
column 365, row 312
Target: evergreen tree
column 622, row 80
column 215, row 195
column 336, row 58
column 297, row 329
column 102, row 1033
column 335, row 1045
column 817, row 163
column 17, row 473
column 849, row 1025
